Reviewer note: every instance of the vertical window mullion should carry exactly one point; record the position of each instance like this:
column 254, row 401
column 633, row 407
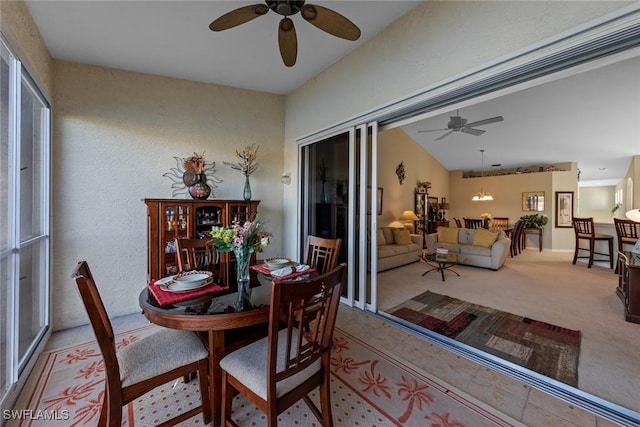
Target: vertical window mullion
column 14, row 191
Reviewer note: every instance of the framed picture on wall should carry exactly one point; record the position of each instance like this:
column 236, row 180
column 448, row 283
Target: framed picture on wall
column 564, row 209
column 533, row 201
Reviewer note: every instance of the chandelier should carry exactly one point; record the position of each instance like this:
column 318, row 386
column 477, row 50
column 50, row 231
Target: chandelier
column 481, row 196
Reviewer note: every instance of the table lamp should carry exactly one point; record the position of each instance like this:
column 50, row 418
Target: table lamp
column 409, row 217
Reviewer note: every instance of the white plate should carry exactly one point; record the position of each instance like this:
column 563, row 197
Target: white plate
column 164, row 280
column 185, row 287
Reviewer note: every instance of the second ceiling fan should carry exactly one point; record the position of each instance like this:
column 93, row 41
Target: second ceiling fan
column 325, row 19
column 459, row 124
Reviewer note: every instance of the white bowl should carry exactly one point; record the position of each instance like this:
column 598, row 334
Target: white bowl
column 192, row 280
column 277, row 263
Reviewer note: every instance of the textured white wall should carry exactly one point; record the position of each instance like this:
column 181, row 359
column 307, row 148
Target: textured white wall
column 115, row 134
column 433, row 42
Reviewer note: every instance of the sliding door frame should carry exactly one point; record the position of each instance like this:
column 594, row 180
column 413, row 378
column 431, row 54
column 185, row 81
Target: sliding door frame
column 601, row 41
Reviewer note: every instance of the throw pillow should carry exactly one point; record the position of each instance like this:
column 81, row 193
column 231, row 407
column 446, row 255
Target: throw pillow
column 380, row 236
column 484, row 238
column 447, row 235
column 402, row 237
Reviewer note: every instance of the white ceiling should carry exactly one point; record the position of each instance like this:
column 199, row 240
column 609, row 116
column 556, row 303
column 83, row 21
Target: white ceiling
column 172, row 38
column 579, row 122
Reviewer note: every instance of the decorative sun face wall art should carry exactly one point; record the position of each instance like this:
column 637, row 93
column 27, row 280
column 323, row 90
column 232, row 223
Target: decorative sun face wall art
column 193, row 177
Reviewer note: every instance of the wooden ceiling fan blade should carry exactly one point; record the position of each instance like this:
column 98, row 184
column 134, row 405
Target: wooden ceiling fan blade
column 330, row 21
column 238, row 16
column 485, row 121
column 288, row 42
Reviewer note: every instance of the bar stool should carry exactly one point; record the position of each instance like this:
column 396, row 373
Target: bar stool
column 585, row 230
column 628, row 232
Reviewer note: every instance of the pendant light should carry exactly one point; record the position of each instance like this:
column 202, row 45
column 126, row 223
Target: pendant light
column 481, row 196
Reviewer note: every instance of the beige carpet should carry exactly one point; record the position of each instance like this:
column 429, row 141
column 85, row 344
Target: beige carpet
column 545, row 286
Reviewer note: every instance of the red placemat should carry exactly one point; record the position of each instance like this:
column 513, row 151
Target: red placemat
column 264, row 270
column 167, row 298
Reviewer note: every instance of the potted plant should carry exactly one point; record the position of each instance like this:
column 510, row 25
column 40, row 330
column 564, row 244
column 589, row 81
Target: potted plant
column 535, row 221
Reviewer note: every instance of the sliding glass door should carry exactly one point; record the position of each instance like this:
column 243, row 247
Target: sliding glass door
column 24, row 223
column 336, row 200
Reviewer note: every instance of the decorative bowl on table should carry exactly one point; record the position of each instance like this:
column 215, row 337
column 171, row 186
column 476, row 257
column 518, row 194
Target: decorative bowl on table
column 277, row 263
column 192, row 279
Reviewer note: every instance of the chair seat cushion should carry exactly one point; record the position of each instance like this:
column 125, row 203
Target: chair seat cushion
column 249, row 366
column 160, row 352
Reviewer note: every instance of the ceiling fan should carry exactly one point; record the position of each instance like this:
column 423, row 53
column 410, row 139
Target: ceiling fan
column 325, row 19
column 459, row 124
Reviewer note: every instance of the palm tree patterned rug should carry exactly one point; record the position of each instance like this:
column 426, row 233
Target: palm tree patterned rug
column 369, row 388
column 548, row 349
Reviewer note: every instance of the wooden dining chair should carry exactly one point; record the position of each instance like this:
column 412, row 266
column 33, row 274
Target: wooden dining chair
column 143, row 365
column 197, row 254
column 500, row 223
column 322, row 254
column 516, row 238
column 628, row 232
column 277, row 371
column 458, row 222
column 473, row 223
column 584, row 229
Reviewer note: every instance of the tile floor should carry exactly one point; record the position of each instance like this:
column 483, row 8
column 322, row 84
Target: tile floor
column 518, row 400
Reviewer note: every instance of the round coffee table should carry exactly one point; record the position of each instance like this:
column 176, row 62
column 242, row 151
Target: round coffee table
column 439, row 262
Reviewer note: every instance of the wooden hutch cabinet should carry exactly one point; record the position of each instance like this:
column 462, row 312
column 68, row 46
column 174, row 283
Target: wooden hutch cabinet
column 629, row 285
column 168, row 219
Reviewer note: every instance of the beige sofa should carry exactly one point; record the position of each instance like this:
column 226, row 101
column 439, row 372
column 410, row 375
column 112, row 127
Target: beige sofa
column 472, row 248
column 393, row 253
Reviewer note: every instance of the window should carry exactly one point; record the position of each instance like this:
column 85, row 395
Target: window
column 24, row 221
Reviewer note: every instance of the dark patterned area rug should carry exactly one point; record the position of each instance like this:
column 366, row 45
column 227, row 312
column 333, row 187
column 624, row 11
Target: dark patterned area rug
column 541, row 347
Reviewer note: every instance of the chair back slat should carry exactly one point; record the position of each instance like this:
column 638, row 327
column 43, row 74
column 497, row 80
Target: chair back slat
column 458, row 222
column 583, row 226
column 516, row 237
column 197, row 254
column 626, row 228
column 303, row 316
column 322, row 254
column 98, row 318
column 500, row 223
column 473, row 223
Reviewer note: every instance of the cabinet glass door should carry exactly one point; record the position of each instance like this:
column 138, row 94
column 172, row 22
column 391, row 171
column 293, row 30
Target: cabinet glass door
column 175, row 224
column 240, row 212
column 207, row 217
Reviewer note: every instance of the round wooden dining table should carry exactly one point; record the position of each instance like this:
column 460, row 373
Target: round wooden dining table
column 222, row 329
